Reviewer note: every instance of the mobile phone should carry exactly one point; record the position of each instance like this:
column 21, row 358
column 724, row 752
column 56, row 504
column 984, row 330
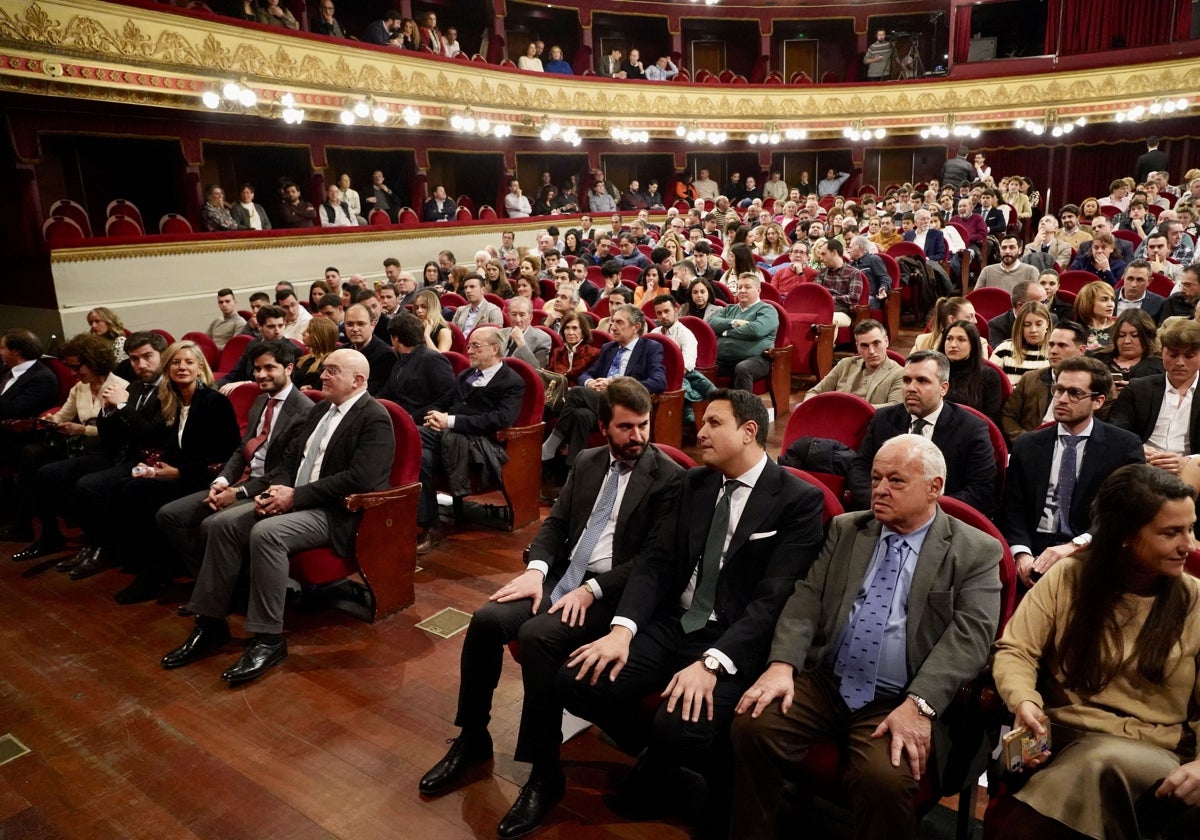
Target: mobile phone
column 264, row 495
column 1021, row 746
column 1118, row 377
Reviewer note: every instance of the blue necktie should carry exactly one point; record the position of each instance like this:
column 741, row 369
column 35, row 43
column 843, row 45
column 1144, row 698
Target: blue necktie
column 858, row 658
column 304, row 474
column 615, row 368
column 705, row 594
column 591, row 534
column 1067, row 469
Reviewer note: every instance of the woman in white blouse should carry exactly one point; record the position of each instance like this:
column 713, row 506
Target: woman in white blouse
column 530, row 61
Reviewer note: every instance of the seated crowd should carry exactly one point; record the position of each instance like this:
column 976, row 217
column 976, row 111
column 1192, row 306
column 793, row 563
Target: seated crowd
column 760, row 631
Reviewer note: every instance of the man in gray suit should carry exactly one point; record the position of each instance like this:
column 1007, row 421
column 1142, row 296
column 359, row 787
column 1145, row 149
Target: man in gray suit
column 576, row 571
column 521, row 340
column 345, row 446
column 899, row 610
column 872, row 374
column 477, row 311
column 261, row 450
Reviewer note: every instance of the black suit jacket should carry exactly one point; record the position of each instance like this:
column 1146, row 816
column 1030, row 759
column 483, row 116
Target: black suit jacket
column 378, row 33
column 126, row 431
column 1154, row 160
column 209, row 436
column 1137, row 408
column 776, row 541
column 382, row 358
column 963, row 439
column 650, row 501
column 419, row 380
column 1000, row 328
column 439, row 211
column 32, row 393
column 1152, row 305
column 486, row 410
column 645, row 365
column 1028, row 478
column 288, row 418
column 358, row 459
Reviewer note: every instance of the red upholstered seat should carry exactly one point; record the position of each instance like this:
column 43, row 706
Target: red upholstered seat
column 458, row 361
column 379, row 217
column 835, row 415
column 679, row 457
column 1006, row 386
column 121, row 207
column 462, row 214
column 122, row 226
column 467, row 202
column 767, row 291
column 61, row 230
column 232, row 351
column 999, row 444
column 243, row 397
column 486, row 211
column 458, row 341
column 452, row 299
column 809, row 310
column 407, row 217
column 173, row 223
column 990, row 301
column 1074, row 280
column 167, row 337
column 706, row 344
column 386, row 540
column 207, row 346
column 75, row 212
column 64, row 375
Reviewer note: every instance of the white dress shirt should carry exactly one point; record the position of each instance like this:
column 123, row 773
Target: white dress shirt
column 316, row 448
column 1171, row 432
column 682, row 336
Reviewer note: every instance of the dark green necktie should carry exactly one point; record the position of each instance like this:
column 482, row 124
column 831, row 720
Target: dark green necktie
column 710, row 565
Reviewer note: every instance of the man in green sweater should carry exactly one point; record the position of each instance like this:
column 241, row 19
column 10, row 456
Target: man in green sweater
column 744, row 330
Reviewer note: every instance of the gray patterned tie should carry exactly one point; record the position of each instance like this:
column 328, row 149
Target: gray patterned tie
column 304, row 474
column 591, row 534
column 1067, row 469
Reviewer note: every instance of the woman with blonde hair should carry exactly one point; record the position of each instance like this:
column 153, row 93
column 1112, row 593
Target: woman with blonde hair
column 320, row 337
column 1028, row 347
column 1094, row 307
column 1089, row 208
column 104, row 322
column 201, row 432
column 428, row 308
column 773, row 244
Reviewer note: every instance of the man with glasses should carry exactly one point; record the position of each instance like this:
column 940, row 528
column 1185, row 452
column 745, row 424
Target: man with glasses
column 1182, row 302
column 461, row 428
column 1162, row 409
column 1054, row 472
column 326, row 23
column 787, row 277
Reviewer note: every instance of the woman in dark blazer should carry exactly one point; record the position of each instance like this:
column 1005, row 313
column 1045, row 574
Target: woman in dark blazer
column 202, row 430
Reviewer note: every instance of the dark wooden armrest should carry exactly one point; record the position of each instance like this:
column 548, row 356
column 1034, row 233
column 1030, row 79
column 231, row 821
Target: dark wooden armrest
column 365, row 501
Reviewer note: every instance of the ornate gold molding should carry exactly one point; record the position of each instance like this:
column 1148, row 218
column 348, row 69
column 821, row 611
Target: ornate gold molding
column 96, row 50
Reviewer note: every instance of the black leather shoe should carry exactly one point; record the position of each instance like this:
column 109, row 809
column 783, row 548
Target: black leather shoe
column 466, row 751
column 540, row 794
column 39, row 548
column 431, row 537
column 206, row 637
column 69, row 563
column 94, row 563
column 258, row 657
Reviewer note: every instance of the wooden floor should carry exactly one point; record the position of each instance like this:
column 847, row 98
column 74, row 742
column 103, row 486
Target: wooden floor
column 329, row 744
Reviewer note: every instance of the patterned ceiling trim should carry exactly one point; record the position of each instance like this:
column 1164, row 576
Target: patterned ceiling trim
column 95, row 50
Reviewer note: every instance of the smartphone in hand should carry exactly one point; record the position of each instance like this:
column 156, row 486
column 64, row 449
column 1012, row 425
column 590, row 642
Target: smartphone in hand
column 1021, row 746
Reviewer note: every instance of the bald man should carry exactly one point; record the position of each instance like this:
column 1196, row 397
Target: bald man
column 345, row 446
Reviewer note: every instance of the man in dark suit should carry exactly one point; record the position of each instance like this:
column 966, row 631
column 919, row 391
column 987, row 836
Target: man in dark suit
column 272, row 320
column 1148, row 405
column 962, row 436
column 380, row 357
column 460, row 429
column 899, row 611
column 345, row 446
column 384, row 32
column 931, row 239
column 1153, row 160
column 625, row 355
column 439, row 208
column 1045, row 518
column 130, row 421
column 262, row 449
column 576, row 570
column 1030, row 404
column 421, row 375
column 1134, row 293
column 27, row 387
column 696, row 616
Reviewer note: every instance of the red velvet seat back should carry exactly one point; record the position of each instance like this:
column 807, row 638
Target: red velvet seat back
column 672, row 360
column 534, row 402
column 990, row 302
column 706, row 340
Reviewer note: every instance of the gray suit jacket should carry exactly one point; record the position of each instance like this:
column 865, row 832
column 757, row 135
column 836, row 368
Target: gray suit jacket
column 290, row 416
column 536, row 351
column 953, row 607
column 648, row 504
column 489, row 314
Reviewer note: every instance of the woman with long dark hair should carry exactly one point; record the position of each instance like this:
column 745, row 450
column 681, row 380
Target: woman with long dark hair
column 702, row 300
column 973, row 381
column 1134, row 350
column 1103, row 652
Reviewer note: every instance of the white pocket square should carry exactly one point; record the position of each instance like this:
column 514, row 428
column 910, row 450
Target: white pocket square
column 762, row 536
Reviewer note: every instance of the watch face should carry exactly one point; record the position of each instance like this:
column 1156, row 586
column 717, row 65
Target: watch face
column 712, row 663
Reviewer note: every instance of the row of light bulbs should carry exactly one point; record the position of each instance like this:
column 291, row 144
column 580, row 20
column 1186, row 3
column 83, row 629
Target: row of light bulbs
column 944, row 131
column 700, row 135
column 1057, row 129
column 1154, row 109
column 468, row 123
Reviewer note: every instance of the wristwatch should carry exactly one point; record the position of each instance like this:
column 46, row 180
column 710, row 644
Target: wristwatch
column 923, row 707
column 712, row 665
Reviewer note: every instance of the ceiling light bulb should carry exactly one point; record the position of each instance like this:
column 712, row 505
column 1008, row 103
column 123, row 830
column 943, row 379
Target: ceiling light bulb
column 380, row 114
column 1181, row 104
column 680, row 130
column 248, row 98
column 231, row 90
column 347, row 117
column 211, row 99
column 880, row 133
column 1156, row 107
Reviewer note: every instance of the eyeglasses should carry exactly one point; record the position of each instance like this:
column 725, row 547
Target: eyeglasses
column 1073, row 395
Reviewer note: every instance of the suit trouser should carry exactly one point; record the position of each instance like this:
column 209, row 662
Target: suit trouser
column 237, row 532
column 881, row 796
column 181, row 523
column 96, row 498
column 51, row 488
column 141, row 542
column 745, row 371
column 580, row 417
column 656, row 653
column 545, row 644
column 446, row 453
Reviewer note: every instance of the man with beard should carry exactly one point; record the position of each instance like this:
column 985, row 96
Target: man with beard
column 1010, row 270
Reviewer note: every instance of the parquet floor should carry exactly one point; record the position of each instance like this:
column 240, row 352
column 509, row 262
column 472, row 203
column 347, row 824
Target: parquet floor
column 328, row 745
